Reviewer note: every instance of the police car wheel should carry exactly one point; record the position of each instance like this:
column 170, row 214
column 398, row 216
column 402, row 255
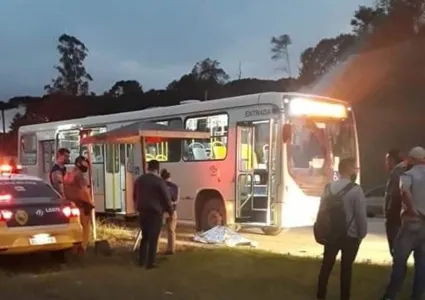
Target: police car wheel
column 212, row 214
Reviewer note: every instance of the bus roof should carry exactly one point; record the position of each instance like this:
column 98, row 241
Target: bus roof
column 167, row 112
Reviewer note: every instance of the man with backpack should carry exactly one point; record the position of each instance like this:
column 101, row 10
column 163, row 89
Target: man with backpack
column 411, row 237
column 341, row 225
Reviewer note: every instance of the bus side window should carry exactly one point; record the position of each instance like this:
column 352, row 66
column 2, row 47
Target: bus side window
column 214, row 148
column 164, row 150
column 28, row 149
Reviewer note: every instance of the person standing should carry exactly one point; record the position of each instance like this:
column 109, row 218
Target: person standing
column 352, row 203
column 411, row 237
column 152, row 199
column 77, row 190
column 171, row 220
column 58, row 171
column 395, row 167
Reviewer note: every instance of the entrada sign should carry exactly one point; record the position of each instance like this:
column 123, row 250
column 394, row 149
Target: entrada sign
column 260, row 112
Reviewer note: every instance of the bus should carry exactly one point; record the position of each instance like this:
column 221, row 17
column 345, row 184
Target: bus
column 264, row 165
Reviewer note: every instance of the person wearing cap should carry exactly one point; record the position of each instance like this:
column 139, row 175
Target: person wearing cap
column 395, row 166
column 411, row 237
column 171, row 220
column 77, row 190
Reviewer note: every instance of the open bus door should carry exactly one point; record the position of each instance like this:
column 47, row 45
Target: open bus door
column 256, row 193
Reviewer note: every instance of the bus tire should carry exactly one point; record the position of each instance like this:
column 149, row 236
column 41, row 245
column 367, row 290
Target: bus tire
column 271, row 230
column 213, row 214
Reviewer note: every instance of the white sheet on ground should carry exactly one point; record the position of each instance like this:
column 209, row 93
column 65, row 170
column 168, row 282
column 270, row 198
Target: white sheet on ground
column 223, row 236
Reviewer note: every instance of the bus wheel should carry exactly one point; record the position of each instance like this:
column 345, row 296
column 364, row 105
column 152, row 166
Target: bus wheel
column 212, row 214
column 271, row 230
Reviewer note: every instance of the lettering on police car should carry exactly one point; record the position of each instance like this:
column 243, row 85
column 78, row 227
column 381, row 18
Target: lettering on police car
column 52, row 209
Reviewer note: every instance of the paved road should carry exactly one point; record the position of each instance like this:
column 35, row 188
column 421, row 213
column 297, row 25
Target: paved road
column 300, row 241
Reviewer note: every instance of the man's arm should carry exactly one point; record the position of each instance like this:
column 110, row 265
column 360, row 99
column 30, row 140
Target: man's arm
column 406, row 194
column 135, row 192
column 360, row 211
column 57, row 182
column 166, row 197
column 177, row 194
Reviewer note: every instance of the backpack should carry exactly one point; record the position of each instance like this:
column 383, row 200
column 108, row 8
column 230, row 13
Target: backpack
column 331, row 223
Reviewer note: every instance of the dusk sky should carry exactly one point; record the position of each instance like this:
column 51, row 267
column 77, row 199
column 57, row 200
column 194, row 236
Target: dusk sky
column 156, row 42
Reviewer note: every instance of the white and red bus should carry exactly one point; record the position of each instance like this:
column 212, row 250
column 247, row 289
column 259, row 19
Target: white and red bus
column 265, row 164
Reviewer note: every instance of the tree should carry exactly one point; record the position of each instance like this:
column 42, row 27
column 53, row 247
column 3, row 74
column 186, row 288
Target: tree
column 366, row 18
column 389, row 22
column 27, row 118
column 279, row 51
column 125, row 88
column 73, row 78
column 209, row 70
column 3, row 107
column 316, row 61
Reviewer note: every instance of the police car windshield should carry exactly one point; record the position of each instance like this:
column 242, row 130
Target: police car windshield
column 28, row 189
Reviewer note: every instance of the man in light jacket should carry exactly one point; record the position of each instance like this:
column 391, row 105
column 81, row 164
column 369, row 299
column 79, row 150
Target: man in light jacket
column 354, row 204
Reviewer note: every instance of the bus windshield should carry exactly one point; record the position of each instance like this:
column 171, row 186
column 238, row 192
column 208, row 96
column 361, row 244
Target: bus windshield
column 315, row 150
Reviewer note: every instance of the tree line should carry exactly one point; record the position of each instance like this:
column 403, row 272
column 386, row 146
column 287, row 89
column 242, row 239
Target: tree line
column 382, row 25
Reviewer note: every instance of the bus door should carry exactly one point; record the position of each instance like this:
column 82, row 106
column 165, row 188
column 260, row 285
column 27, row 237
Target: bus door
column 48, row 157
column 255, row 184
column 117, row 158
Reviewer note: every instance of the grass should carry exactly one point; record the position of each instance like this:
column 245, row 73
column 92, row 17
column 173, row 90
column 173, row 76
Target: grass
column 218, row 274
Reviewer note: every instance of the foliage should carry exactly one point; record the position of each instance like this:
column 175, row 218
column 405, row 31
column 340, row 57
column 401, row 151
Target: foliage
column 279, row 49
column 209, row 70
column 73, row 78
column 316, row 61
column 127, row 88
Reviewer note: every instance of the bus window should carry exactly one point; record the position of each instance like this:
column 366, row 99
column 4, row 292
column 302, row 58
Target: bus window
column 309, row 156
column 97, row 150
column 165, row 150
column 214, row 148
column 70, row 139
column 48, row 148
column 28, row 151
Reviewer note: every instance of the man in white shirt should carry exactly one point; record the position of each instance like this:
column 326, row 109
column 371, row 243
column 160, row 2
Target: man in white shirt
column 411, row 237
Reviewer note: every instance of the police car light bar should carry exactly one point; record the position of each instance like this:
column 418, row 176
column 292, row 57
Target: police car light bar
column 8, row 169
column 5, row 198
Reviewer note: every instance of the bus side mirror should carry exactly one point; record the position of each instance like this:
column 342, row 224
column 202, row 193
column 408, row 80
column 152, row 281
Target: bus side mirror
column 287, row 133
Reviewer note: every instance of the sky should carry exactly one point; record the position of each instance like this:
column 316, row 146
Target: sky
column 156, row 42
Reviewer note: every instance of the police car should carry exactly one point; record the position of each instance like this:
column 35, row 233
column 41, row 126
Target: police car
column 33, row 217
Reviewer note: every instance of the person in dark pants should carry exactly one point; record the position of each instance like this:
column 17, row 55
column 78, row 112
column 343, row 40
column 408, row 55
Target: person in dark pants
column 354, row 203
column 411, row 237
column 152, row 199
column 395, row 167
column 171, row 220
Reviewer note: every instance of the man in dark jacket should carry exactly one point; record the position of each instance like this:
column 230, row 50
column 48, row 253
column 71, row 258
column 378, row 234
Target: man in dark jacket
column 58, row 171
column 152, row 199
column 395, row 167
